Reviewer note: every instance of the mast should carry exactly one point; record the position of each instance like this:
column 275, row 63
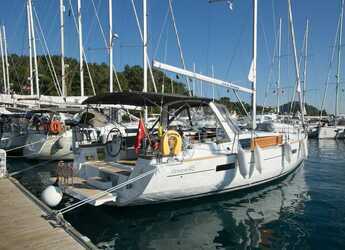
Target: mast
column 339, row 60
column 194, row 90
column 145, row 50
column 33, row 37
column 3, row 63
column 252, row 74
column 305, row 64
column 6, row 59
column 212, row 68
column 298, row 80
column 81, row 68
column 111, row 46
column 62, row 34
column 31, row 77
column 279, row 65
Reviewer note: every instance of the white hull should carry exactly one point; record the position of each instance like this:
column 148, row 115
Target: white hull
column 49, row 147
column 247, row 214
column 197, row 179
column 196, row 164
column 331, row 132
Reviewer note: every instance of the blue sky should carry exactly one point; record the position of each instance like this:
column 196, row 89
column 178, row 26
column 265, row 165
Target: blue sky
column 211, row 34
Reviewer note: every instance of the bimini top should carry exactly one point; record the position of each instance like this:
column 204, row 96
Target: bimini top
column 138, row 98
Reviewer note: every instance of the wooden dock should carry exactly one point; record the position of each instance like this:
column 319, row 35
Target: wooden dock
column 23, row 223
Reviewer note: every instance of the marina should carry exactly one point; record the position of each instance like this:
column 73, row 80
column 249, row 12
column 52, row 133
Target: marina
column 126, row 127
column 25, row 222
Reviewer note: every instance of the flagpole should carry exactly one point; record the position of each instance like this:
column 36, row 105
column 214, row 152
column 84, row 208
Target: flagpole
column 253, row 66
column 110, row 5
column 279, row 65
column 145, row 51
column 80, row 33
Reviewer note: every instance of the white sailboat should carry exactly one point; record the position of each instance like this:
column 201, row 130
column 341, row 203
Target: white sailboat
column 184, row 162
column 50, row 136
column 336, row 129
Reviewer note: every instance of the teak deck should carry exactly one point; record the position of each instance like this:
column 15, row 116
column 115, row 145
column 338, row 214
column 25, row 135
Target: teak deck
column 266, row 141
column 108, row 167
column 23, row 225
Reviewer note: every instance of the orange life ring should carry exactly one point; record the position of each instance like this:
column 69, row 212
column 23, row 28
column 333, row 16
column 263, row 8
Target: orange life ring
column 55, row 127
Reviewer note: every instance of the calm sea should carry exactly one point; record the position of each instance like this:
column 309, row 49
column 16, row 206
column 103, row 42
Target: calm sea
column 305, row 210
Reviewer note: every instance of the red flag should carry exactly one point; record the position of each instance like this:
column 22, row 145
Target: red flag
column 140, row 136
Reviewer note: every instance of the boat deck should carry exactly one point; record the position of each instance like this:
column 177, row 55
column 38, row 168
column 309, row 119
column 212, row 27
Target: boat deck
column 111, row 167
column 83, row 189
column 24, row 224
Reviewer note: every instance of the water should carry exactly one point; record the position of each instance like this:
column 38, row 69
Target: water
column 305, row 210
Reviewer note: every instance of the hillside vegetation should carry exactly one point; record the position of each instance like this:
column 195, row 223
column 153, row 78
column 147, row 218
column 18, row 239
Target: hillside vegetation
column 130, row 79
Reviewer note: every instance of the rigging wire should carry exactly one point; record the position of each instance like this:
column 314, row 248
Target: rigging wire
column 329, row 69
column 49, row 59
column 98, row 20
column 243, row 29
column 10, row 57
column 270, row 74
column 105, row 40
column 84, row 55
column 142, row 39
column 274, row 16
column 178, row 43
column 299, row 66
column 209, row 18
column 241, row 103
column 165, row 59
column 265, row 38
column 161, row 33
column 48, row 19
column 91, row 25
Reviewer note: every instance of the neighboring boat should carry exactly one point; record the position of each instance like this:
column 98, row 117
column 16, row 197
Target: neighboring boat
column 50, row 135
column 332, row 131
column 336, row 129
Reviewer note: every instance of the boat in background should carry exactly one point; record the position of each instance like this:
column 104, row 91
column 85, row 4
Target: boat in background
column 336, row 128
column 50, row 134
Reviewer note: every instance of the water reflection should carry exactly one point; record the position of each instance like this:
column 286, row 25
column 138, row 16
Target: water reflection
column 239, row 220
column 328, row 150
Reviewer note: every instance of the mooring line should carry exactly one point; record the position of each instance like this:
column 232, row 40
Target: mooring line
column 35, row 166
column 103, row 193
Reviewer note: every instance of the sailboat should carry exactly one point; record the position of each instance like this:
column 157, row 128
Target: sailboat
column 50, row 135
column 276, row 122
column 336, row 128
column 178, row 162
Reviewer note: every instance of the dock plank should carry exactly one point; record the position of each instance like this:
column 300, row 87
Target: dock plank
column 23, row 225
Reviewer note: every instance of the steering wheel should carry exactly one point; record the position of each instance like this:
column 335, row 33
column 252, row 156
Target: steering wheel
column 114, row 146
